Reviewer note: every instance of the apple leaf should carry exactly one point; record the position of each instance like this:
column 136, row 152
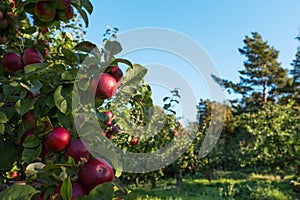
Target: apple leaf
column 66, row 189
column 30, row 155
column 132, row 78
column 32, row 141
column 2, row 129
column 24, row 105
column 87, row 5
column 59, row 100
column 121, row 60
column 34, row 168
column 3, row 118
column 112, row 47
column 82, row 13
column 8, row 153
column 69, row 55
column 88, row 47
column 103, row 191
column 18, row 192
column 35, row 68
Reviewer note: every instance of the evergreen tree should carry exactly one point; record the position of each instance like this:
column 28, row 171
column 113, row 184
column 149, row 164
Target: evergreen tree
column 262, row 76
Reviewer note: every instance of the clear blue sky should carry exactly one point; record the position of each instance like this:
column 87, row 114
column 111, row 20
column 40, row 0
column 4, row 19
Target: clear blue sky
column 219, row 26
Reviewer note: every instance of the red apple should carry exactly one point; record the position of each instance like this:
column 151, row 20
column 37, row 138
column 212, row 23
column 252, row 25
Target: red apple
column 12, row 4
column 12, row 62
column 47, row 46
column 77, row 190
column 116, row 72
column 44, row 30
column 3, row 24
column 105, row 85
column 95, row 172
column 115, row 129
column 109, row 135
column 26, row 134
column 31, row 56
column 45, row 11
column 14, row 174
column 110, row 118
column 62, row 4
column 135, row 140
column 30, row 118
column 57, row 139
column 77, row 150
column 65, row 15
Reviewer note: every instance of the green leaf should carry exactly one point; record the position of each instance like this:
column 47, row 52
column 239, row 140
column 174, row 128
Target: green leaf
column 36, row 85
column 66, row 189
column 87, row 5
column 120, row 60
column 113, row 47
column 35, row 68
column 2, row 129
column 32, row 142
column 103, row 191
column 132, row 78
column 24, row 105
column 88, row 47
column 31, row 30
column 30, row 155
column 69, row 55
column 34, row 168
column 59, row 100
column 8, row 154
column 18, row 192
column 3, row 118
column 82, row 13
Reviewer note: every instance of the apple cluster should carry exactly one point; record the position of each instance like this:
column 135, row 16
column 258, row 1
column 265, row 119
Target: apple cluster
column 92, row 171
column 6, row 18
column 47, row 11
column 13, row 62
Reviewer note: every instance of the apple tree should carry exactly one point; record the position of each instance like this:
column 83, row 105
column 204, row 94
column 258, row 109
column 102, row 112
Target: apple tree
column 42, row 50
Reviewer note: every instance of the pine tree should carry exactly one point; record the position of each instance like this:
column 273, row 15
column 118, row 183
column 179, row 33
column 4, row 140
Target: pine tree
column 262, row 76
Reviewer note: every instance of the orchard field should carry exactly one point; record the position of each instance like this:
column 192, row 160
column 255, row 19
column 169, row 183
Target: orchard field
column 66, row 104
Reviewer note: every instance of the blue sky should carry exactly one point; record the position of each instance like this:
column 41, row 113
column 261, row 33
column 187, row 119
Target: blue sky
column 218, row 26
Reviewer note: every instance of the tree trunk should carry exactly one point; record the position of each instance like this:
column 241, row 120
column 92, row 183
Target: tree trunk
column 137, row 182
column 179, row 179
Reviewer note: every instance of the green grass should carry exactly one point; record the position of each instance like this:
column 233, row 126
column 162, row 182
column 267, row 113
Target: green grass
column 246, row 186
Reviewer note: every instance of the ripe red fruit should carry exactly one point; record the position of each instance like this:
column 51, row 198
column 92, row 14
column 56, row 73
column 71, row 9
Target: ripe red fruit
column 3, row 24
column 14, row 174
column 12, row 4
column 104, row 84
column 44, row 30
column 30, row 118
column 1, row 15
column 110, row 118
column 57, row 139
column 65, row 15
column 115, row 129
column 95, row 172
column 46, row 44
column 135, row 140
column 31, row 56
column 116, row 72
column 12, row 62
column 77, row 150
column 77, row 190
column 62, row 4
column 26, row 134
column 44, row 11
column 109, row 135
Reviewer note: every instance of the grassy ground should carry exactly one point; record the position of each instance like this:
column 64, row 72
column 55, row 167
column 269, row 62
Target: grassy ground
column 226, row 186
